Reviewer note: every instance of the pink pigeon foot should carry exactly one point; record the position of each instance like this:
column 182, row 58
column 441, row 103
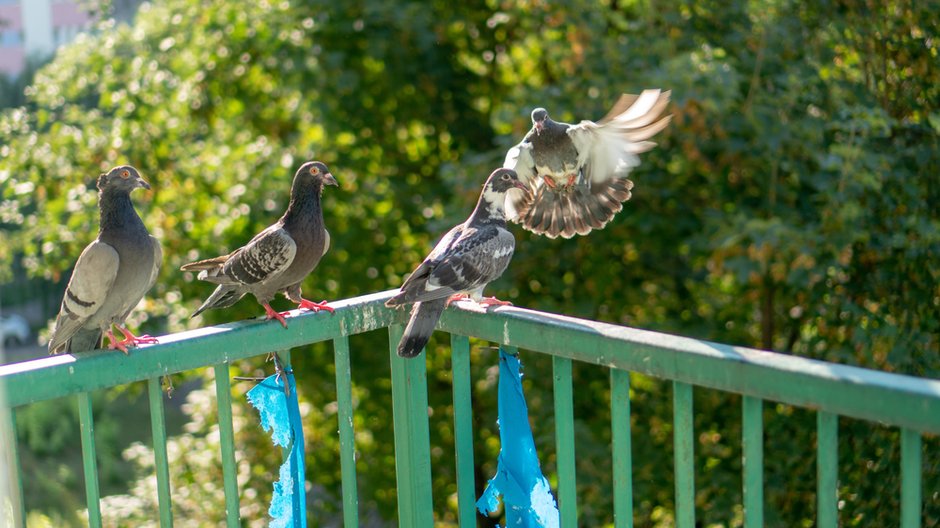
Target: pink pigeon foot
column 271, row 314
column 493, row 301
column 456, row 297
column 129, row 340
column 314, row 306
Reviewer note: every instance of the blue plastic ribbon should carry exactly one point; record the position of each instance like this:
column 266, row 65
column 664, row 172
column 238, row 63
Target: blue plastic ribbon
column 526, row 494
column 280, row 414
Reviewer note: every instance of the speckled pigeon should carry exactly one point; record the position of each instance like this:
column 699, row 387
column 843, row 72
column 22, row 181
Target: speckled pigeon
column 577, row 174
column 112, row 274
column 279, row 258
column 470, row 256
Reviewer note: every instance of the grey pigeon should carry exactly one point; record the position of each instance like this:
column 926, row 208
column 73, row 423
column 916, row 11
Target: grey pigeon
column 577, row 174
column 470, row 256
column 279, row 258
column 112, row 274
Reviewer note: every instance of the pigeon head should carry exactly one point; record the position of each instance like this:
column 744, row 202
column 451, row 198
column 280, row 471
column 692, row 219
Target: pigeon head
column 315, row 172
column 493, row 198
column 501, row 180
column 539, row 117
column 121, row 178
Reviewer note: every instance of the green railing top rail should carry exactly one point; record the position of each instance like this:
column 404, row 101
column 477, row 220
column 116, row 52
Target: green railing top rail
column 887, row 398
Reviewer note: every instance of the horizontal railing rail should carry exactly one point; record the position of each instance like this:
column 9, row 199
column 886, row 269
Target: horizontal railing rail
column 913, row 404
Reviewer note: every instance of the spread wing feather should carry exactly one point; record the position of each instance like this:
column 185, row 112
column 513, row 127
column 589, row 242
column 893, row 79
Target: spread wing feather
column 609, row 148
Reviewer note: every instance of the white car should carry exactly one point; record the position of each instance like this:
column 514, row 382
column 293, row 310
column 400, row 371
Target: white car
column 14, row 330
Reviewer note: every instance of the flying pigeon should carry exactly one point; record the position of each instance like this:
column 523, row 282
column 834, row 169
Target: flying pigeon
column 112, row 274
column 470, row 256
column 577, row 174
column 279, row 258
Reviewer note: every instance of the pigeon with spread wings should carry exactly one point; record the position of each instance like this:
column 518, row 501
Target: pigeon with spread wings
column 577, row 174
column 279, row 258
column 470, row 256
column 112, row 274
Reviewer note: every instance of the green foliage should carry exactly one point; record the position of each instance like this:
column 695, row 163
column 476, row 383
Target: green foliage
column 791, row 205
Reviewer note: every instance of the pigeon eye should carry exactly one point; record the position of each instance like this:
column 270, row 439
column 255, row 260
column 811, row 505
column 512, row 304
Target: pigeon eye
column 125, row 174
column 314, row 171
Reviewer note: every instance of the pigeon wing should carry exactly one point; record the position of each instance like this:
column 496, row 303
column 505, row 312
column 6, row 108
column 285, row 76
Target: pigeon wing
column 476, row 259
column 609, row 148
column 519, row 158
column 89, row 286
column 268, row 254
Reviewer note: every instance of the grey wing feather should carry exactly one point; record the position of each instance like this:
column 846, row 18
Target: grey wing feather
column 473, row 262
column 267, row 255
column 609, row 148
column 89, row 286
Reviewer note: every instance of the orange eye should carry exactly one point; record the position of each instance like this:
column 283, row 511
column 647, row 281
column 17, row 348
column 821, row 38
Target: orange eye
column 125, row 174
column 314, row 171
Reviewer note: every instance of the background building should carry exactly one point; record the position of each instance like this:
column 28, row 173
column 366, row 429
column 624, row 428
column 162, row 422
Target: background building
column 35, row 28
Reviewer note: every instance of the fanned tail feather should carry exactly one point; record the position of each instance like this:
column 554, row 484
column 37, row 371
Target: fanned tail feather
column 424, row 317
column 576, row 211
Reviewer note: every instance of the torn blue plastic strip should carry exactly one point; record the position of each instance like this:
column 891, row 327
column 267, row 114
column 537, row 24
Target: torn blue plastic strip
column 280, row 414
column 527, row 497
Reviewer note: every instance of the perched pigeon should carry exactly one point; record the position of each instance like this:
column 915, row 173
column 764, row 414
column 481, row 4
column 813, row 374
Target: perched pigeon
column 279, row 258
column 577, row 174
column 112, row 274
column 470, row 256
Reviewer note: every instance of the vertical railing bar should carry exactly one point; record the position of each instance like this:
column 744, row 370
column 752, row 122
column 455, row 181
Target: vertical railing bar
column 463, row 430
column 223, row 394
column 347, row 438
column 683, row 439
column 89, row 458
column 412, row 436
column 827, row 463
column 158, row 428
column 622, row 448
column 15, row 470
column 752, row 440
column 911, row 476
column 564, row 441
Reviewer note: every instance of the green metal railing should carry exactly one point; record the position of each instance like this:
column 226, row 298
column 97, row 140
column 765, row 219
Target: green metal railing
column 912, row 404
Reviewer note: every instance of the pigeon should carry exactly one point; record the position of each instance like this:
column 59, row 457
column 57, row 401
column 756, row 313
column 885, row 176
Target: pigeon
column 112, row 274
column 470, row 256
column 279, row 258
column 577, row 174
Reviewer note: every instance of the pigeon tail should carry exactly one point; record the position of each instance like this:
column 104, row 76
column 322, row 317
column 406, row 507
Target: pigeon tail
column 424, row 317
column 574, row 211
column 82, row 341
column 223, row 297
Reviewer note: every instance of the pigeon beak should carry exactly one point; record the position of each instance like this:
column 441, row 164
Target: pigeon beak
column 538, row 126
column 330, row 180
column 142, row 183
column 519, row 185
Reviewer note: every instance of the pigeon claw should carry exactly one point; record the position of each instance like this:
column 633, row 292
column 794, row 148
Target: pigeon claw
column 550, row 182
column 304, row 304
column 456, row 297
column 493, row 301
column 571, row 178
column 130, row 340
column 115, row 343
column 271, row 314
